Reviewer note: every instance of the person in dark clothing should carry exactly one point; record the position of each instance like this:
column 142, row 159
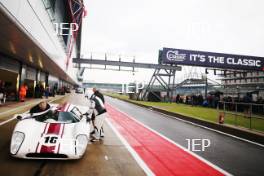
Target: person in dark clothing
column 41, row 107
column 99, row 94
column 98, row 115
column 187, row 100
column 2, row 92
column 41, row 90
column 99, row 105
column 47, row 91
column 200, row 99
column 37, row 91
column 177, row 98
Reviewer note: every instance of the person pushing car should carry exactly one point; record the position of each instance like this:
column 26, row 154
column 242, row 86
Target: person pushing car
column 99, row 114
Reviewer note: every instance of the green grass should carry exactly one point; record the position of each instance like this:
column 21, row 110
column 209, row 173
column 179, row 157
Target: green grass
column 203, row 113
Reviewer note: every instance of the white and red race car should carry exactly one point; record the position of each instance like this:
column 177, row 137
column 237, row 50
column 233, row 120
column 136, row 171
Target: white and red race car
column 58, row 133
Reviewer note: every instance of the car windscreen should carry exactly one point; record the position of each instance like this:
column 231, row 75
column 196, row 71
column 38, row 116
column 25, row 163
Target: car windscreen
column 59, row 117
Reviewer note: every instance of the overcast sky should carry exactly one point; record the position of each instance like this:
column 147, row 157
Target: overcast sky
column 141, row 27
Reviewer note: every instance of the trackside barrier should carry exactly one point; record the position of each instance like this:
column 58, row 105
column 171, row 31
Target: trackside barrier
column 248, row 115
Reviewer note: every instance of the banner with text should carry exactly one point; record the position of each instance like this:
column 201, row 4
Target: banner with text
column 209, row 59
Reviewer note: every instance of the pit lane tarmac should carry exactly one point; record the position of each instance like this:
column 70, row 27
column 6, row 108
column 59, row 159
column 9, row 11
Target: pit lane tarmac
column 158, row 150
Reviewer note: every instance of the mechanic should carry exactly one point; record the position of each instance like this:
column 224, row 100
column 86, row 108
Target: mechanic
column 23, row 92
column 41, row 107
column 98, row 116
column 98, row 94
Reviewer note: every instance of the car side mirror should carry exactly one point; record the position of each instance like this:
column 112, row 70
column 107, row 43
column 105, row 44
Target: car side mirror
column 18, row 117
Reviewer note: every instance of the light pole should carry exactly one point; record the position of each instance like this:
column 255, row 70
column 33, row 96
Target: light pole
column 238, row 96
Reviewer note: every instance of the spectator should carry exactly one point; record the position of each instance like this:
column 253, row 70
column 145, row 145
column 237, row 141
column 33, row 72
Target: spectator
column 217, row 99
column 187, row 100
column 213, row 101
column 194, row 100
column 23, row 92
column 177, row 98
column 54, row 91
column 55, row 88
column 181, row 99
column 247, row 98
column 2, row 92
column 200, row 99
column 41, row 92
column 47, row 91
column 37, row 91
column 209, row 100
column 205, row 103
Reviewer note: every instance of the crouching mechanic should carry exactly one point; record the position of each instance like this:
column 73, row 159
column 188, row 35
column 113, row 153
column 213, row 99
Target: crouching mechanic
column 98, row 117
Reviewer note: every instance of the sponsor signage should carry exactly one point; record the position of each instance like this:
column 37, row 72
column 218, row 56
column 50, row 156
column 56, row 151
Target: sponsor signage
column 209, row 59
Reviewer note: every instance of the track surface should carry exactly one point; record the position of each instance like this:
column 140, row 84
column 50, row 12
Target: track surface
column 233, row 155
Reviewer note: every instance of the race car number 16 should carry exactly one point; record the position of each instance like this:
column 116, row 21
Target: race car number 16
column 51, row 139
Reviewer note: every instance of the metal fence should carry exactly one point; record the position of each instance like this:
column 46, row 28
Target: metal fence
column 248, row 115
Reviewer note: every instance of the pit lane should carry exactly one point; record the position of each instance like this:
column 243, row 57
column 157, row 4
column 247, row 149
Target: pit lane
column 110, row 157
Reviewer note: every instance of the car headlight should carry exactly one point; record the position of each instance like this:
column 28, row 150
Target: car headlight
column 16, row 142
column 81, row 143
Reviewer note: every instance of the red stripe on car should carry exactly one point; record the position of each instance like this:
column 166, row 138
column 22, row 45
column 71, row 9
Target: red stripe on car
column 54, row 128
column 47, row 149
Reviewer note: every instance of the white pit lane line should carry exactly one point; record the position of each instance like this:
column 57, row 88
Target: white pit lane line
column 9, row 120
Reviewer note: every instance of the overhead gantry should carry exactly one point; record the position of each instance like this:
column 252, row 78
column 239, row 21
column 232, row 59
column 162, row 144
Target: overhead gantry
column 161, row 71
